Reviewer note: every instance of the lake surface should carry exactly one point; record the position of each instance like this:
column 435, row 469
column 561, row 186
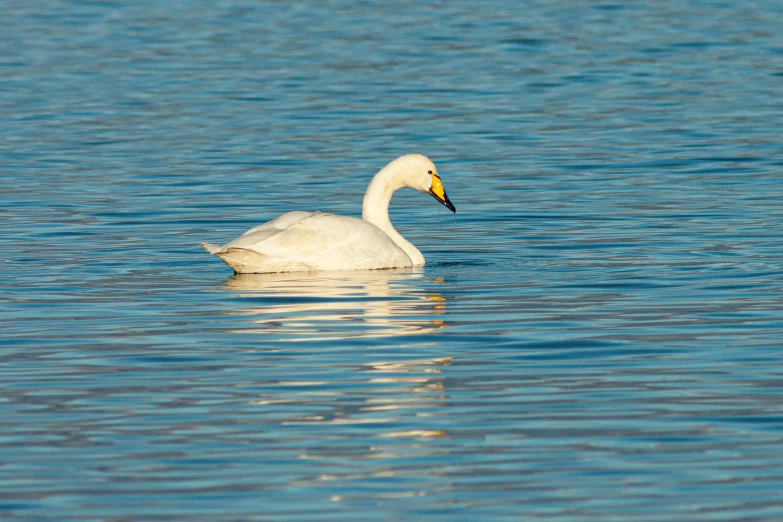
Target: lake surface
column 598, row 335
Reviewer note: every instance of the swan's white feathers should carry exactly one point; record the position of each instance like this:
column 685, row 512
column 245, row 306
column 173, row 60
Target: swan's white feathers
column 328, row 242
column 260, row 233
column 314, row 241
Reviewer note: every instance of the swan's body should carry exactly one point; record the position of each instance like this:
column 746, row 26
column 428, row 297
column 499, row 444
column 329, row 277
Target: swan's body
column 304, row 241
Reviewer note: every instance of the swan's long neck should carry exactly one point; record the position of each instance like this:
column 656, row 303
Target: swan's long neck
column 375, row 209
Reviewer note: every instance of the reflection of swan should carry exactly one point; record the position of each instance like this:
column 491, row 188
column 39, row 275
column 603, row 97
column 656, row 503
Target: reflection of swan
column 398, row 388
column 339, row 379
column 339, row 305
column 303, row 241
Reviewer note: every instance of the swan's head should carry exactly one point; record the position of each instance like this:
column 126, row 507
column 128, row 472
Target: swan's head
column 419, row 172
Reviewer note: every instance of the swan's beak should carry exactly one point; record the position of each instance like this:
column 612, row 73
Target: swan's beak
column 438, row 192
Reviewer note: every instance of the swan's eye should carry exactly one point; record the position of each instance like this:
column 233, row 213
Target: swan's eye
column 429, row 172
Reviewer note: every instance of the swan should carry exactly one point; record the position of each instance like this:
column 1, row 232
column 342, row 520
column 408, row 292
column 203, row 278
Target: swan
column 302, row 241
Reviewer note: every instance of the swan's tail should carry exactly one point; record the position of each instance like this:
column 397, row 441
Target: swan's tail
column 212, row 249
column 245, row 261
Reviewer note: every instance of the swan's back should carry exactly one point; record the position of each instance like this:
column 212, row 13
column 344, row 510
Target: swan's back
column 303, row 241
column 258, row 234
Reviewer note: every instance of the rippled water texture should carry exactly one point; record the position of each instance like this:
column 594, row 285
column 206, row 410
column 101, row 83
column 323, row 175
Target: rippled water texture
column 598, row 336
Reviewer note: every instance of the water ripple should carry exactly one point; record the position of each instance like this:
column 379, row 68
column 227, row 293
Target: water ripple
column 595, row 336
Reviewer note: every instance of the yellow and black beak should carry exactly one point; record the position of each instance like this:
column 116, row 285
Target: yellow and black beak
column 438, row 192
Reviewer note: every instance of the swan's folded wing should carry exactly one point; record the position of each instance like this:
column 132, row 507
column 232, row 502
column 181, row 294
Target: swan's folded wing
column 329, row 242
column 257, row 235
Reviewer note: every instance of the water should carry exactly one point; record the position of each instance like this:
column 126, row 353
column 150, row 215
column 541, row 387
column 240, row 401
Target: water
column 598, row 337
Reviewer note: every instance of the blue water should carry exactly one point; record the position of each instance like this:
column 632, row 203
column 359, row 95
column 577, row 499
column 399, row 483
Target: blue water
column 598, row 336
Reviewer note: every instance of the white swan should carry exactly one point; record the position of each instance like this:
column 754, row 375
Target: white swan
column 303, row 241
